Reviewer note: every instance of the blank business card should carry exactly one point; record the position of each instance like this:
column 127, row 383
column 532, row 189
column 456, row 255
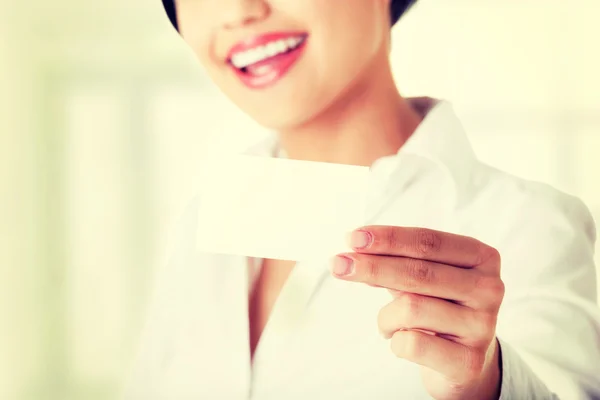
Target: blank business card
column 279, row 208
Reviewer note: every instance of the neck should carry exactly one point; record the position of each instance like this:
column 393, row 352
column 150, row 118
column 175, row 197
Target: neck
column 371, row 120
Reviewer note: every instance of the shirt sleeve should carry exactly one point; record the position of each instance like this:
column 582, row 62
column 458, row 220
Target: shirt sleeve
column 549, row 323
column 518, row 378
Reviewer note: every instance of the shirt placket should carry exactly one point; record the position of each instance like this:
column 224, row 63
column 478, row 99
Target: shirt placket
column 274, row 360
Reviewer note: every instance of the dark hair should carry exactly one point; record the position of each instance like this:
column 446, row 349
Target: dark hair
column 398, row 9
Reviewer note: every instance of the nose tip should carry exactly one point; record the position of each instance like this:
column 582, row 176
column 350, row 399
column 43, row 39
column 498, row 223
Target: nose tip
column 234, row 13
column 238, row 13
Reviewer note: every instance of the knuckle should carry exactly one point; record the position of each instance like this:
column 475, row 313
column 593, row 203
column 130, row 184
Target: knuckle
column 489, row 255
column 392, row 239
column 494, row 254
column 410, row 307
column 419, row 273
column 492, row 287
column 428, row 242
column 496, row 291
column 486, row 326
column 371, row 268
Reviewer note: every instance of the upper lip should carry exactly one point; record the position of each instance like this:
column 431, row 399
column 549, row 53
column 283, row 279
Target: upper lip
column 260, row 40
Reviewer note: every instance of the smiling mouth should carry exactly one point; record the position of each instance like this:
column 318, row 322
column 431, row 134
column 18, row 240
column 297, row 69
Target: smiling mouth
column 248, row 60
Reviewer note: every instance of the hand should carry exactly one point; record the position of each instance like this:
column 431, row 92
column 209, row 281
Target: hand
column 446, row 295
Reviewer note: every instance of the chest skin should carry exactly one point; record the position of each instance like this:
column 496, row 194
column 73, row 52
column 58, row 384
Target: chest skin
column 272, row 278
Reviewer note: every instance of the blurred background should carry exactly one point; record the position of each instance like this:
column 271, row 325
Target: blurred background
column 105, row 117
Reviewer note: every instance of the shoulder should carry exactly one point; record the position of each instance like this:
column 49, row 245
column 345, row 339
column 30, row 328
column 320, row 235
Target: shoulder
column 542, row 234
column 500, row 196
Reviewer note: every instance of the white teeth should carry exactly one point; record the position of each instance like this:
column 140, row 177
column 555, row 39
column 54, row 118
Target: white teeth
column 272, row 49
column 252, row 56
column 293, row 42
column 281, row 46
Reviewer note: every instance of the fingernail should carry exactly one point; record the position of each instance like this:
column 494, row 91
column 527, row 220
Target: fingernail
column 361, row 239
column 342, row 266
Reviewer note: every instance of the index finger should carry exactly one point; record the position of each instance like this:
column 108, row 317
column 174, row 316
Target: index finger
column 420, row 243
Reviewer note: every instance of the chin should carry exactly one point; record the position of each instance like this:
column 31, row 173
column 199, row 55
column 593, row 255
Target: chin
column 278, row 122
column 281, row 115
column 292, row 102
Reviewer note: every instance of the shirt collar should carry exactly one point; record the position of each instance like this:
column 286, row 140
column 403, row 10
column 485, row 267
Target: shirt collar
column 439, row 138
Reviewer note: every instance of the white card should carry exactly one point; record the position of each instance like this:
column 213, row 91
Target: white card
column 279, row 208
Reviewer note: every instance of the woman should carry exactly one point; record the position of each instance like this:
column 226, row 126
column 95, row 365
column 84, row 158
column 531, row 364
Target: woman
column 458, row 321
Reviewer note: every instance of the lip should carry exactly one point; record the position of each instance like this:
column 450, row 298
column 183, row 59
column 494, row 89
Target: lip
column 260, row 40
column 272, row 69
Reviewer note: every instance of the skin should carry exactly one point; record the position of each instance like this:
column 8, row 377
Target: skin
column 339, row 104
column 446, row 293
column 327, row 107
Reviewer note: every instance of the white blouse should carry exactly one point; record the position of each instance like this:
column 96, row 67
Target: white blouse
column 322, row 341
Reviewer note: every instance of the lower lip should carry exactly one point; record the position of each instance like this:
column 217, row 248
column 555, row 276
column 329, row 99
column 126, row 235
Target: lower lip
column 271, row 70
